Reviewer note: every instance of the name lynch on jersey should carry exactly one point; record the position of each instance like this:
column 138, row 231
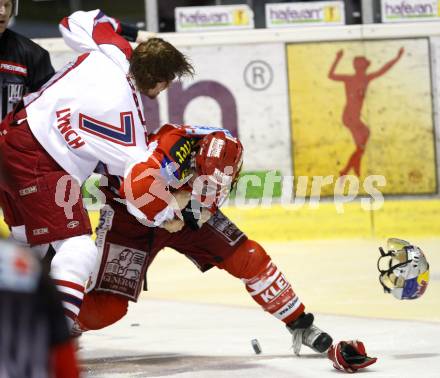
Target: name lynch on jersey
column 63, row 125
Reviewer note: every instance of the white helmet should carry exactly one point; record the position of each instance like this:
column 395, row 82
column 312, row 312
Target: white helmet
column 404, row 270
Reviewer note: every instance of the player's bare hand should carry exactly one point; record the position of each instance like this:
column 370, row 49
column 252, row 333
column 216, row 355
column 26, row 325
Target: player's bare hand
column 182, row 198
column 173, row 225
column 400, row 53
column 339, row 54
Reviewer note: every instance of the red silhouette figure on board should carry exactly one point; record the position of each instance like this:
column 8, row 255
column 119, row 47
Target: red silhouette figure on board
column 355, row 90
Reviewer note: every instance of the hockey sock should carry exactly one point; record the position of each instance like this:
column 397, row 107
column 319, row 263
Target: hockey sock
column 273, row 292
column 71, row 267
column 71, row 298
column 264, row 281
column 100, row 310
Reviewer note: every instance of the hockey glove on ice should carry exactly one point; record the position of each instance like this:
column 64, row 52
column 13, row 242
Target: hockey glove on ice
column 350, row 356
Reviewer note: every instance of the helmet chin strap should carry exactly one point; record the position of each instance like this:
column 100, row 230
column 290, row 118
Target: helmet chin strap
column 385, row 272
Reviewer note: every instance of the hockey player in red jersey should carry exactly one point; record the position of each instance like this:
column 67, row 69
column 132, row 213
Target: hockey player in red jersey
column 190, row 222
column 89, row 111
column 192, row 225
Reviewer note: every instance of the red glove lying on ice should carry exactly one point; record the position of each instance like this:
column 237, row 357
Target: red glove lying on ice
column 350, row 356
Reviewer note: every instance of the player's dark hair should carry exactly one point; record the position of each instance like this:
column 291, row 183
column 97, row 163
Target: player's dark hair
column 155, row 61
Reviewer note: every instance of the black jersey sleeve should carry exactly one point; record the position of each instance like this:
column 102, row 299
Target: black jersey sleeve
column 40, row 70
column 129, row 32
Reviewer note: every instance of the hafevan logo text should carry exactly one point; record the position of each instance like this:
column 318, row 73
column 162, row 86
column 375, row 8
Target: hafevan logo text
column 213, row 18
column 407, row 10
column 304, row 14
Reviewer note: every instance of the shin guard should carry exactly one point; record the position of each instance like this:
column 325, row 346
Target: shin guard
column 273, row 292
column 264, row 281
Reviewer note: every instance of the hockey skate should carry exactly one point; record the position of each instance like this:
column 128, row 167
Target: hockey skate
column 304, row 332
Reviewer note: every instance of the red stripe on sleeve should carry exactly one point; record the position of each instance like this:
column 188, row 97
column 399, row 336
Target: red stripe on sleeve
column 65, row 23
column 70, row 285
column 104, row 34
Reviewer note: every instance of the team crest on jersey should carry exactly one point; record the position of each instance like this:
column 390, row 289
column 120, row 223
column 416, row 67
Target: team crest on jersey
column 122, row 270
column 123, row 134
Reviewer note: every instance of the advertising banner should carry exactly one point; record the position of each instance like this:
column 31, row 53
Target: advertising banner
column 293, row 14
column 226, row 17
column 240, row 88
column 364, row 109
column 409, row 10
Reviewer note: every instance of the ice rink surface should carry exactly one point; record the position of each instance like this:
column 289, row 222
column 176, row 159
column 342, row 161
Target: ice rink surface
column 172, row 339
column 194, row 325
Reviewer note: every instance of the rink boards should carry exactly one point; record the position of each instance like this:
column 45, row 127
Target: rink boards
column 402, row 218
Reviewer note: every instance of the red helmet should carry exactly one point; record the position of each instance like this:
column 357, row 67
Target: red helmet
column 220, row 158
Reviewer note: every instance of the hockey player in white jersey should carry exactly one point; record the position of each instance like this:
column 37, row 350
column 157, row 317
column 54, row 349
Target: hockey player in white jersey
column 89, row 112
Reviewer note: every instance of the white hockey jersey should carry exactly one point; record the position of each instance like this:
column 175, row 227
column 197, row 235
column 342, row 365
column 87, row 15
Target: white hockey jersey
column 90, row 111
